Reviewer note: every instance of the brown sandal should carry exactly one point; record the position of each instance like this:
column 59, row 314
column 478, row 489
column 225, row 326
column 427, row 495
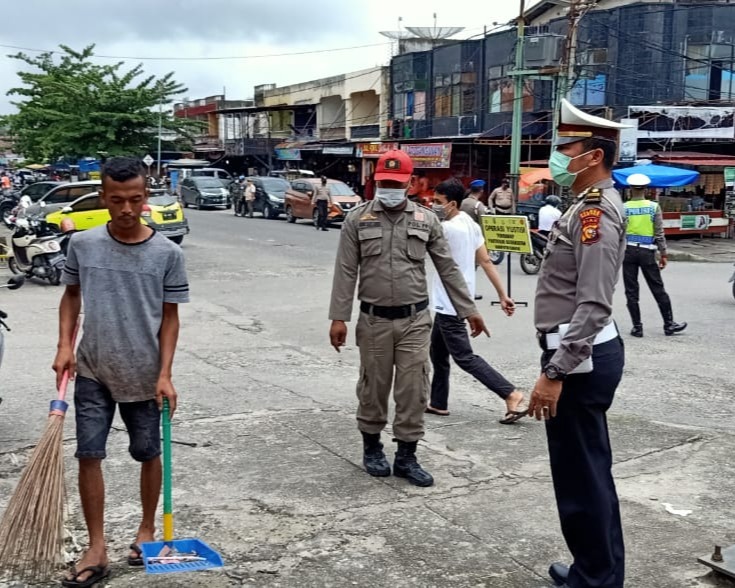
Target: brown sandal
column 436, row 411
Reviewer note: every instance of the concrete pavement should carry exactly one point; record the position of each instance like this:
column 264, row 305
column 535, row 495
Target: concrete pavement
column 275, row 480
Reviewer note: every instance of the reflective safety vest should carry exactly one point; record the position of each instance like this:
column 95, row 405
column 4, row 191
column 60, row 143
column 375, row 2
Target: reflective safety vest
column 640, row 215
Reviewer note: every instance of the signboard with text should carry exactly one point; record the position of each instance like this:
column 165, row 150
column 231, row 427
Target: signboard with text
column 288, row 154
column 374, row 149
column 338, row 150
column 429, row 155
column 695, row 222
column 507, row 233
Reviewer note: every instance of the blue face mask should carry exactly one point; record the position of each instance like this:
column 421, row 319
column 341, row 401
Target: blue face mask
column 391, row 197
column 559, row 167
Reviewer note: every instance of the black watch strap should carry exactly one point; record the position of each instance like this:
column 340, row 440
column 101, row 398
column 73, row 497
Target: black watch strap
column 554, row 373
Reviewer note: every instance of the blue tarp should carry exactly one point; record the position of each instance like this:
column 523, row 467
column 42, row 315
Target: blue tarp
column 89, row 165
column 662, row 176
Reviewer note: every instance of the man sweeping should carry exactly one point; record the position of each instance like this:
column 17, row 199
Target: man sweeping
column 131, row 280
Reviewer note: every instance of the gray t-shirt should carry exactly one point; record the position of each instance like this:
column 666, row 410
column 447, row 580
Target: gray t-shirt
column 124, row 287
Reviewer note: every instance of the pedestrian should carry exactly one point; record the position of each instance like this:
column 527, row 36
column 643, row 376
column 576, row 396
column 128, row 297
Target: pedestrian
column 548, row 214
column 582, row 362
column 501, row 199
column 238, row 196
column 322, row 199
column 645, row 235
column 250, row 196
column 383, row 244
column 449, row 335
column 6, row 184
column 472, row 205
column 131, row 280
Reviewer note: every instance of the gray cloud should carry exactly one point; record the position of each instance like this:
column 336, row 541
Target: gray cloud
column 84, row 21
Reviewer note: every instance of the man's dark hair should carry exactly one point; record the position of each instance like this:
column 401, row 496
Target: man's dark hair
column 452, row 190
column 609, row 150
column 122, row 169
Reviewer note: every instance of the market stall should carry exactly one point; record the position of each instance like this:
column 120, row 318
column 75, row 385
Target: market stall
column 681, row 195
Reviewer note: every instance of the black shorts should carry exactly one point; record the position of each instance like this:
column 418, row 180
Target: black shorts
column 95, row 410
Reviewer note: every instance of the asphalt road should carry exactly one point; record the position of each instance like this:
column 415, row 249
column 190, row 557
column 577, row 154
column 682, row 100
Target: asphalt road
column 275, row 481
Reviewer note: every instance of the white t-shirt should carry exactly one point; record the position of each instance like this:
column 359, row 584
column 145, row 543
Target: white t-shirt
column 464, row 237
column 547, row 216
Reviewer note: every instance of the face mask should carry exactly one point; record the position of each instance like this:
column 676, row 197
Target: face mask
column 559, row 166
column 440, row 211
column 391, row 197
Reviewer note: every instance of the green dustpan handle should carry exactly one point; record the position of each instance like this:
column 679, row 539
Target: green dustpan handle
column 168, row 512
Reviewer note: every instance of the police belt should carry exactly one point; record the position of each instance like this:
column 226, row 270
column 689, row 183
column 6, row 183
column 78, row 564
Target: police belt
column 642, row 246
column 552, row 341
column 393, row 312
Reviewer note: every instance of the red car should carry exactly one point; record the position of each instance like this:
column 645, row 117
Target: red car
column 298, row 200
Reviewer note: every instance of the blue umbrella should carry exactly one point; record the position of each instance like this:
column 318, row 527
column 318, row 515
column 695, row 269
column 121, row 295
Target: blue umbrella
column 662, row 176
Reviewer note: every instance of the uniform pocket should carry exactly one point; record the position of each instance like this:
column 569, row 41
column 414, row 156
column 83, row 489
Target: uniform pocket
column 417, row 243
column 371, row 242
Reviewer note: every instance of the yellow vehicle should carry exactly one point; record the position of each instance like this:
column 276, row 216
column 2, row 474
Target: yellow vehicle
column 162, row 213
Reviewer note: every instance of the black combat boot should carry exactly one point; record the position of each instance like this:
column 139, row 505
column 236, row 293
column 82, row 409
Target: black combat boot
column 670, row 327
column 635, row 316
column 373, row 457
column 406, row 466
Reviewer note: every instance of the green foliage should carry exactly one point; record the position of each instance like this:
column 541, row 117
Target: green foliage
column 70, row 106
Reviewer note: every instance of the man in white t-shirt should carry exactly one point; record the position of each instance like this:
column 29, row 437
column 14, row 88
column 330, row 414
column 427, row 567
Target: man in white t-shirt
column 449, row 337
column 548, row 214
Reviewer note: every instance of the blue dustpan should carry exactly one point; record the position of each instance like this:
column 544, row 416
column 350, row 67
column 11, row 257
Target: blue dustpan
column 182, row 555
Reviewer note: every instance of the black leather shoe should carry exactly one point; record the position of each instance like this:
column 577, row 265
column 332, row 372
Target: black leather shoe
column 637, row 331
column 674, row 328
column 373, row 457
column 406, row 465
column 559, row 572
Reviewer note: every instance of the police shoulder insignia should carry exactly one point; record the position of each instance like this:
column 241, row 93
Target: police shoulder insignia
column 590, row 219
column 593, row 195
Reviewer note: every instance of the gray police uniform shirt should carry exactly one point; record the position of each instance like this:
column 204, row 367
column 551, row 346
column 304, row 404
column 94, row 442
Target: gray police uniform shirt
column 124, row 287
column 387, row 250
column 473, row 207
column 581, row 266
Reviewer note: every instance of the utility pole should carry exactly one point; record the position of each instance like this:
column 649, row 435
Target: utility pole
column 160, row 126
column 517, row 132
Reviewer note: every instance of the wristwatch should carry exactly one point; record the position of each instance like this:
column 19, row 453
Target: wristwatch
column 554, row 373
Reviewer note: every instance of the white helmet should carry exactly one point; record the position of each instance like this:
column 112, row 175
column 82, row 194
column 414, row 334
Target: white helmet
column 638, row 180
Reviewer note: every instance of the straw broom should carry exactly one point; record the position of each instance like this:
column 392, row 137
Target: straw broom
column 32, row 527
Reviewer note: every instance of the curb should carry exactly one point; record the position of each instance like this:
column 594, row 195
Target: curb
column 674, row 255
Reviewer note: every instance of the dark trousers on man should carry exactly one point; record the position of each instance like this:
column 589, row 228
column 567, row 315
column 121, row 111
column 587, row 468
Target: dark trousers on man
column 645, row 260
column 322, row 212
column 581, row 469
column 449, row 338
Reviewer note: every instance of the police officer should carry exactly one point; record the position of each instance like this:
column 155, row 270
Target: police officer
column 384, row 243
column 583, row 358
column 645, row 236
column 472, row 204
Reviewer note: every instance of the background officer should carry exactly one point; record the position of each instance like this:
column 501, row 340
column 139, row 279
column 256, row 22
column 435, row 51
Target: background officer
column 384, row 242
column 645, row 236
column 583, row 357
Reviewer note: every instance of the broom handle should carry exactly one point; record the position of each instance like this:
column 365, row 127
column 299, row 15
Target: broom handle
column 168, row 514
column 59, row 406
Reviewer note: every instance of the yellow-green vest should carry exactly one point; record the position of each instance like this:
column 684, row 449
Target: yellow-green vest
column 641, row 214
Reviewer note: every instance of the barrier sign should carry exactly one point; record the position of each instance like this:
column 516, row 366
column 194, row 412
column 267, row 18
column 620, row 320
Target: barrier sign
column 507, row 233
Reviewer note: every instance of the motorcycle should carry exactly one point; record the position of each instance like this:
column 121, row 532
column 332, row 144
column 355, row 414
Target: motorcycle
column 732, row 279
column 13, row 284
column 496, row 257
column 36, row 250
column 531, row 262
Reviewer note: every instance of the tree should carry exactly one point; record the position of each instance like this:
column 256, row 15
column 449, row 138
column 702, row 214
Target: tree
column 73, row 107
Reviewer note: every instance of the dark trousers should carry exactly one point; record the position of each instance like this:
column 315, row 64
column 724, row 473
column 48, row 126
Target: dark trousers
column 322, row 211
column 581, row 462
column 645, row 259
column 449, row 337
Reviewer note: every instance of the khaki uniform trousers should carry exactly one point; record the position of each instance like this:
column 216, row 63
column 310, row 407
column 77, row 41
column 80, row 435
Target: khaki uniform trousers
column 393, row 353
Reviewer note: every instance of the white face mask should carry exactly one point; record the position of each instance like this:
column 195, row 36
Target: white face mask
column 391, row 197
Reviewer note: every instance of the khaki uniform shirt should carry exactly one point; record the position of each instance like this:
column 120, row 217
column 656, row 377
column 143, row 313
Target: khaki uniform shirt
column 581, row 266
column 501, row 199
column 473, row 207
column 322, row 193
column 387, row 251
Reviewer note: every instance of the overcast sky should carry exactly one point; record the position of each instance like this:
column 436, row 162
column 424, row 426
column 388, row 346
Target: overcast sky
column 220, row 28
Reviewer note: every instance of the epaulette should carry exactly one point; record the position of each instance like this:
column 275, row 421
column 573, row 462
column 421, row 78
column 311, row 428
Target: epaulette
column 593, row 196
column 424, row 206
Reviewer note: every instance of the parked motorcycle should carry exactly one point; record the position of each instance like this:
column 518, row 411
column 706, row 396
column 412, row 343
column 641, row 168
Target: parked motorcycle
column 531, row 262
column 732, row 279
column 36, row 250
column 496, row 257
